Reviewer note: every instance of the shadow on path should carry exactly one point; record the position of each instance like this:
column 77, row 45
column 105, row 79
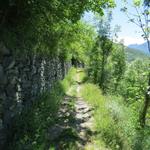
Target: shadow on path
column 74, row 123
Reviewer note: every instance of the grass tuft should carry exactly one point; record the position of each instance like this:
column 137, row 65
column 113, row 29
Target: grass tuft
column 32, row 125
column 112, row 118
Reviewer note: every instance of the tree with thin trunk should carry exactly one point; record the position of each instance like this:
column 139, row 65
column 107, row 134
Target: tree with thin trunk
column 141, row 18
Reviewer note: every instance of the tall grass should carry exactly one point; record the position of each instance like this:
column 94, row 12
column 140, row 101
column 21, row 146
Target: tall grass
column 69, row 79
column 115, row 123
column 31, row 127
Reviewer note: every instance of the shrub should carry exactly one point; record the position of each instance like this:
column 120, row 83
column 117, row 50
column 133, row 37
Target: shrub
column 31, row 126
column 115, row 123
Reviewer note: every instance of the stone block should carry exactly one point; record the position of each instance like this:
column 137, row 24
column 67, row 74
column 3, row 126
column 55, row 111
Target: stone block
column 11, row 65
column 3, row 50
column 3, row 79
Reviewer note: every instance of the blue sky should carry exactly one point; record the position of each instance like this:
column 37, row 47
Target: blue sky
column 129, row 32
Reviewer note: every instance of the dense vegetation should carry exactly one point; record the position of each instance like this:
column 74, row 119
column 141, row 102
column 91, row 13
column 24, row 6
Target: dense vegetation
column 40, row 26
column 32, row 126
column 116, row 121
column 132, row 54
column 115, row 87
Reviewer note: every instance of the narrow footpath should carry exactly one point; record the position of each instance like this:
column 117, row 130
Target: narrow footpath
column 75, row 121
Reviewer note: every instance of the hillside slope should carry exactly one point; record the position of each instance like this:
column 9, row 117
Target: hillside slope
column 141, row 47
column 132, row 54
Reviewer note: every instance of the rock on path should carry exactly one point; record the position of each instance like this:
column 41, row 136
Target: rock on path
column 75, row 115
column 84, row 120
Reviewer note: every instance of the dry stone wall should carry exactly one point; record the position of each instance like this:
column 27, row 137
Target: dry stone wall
column 22, row 80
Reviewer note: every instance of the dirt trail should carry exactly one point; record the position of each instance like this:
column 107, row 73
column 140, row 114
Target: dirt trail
column 83, row 113
column 75, row 122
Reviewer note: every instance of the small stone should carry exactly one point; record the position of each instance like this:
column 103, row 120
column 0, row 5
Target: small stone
column 2, row 96
column 3, row 79
column 55, row 132
column 11, row 90
column 26, row 70
column 7, row 61
column 13, row 81
column 3, row 50
column 1, row 124
column 12, row 64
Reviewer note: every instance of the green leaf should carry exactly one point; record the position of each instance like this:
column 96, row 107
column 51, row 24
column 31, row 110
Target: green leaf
column 137, row 2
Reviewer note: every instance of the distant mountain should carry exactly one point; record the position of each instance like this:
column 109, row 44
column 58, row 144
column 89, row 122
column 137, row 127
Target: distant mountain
column 142, row 47
column 132, row 54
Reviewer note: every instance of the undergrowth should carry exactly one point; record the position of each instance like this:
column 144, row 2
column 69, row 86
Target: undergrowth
column 115, row 124
column 31, row 126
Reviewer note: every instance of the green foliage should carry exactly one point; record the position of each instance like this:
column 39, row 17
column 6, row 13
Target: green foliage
column 54, row 10
column 107, row 64
column 134, row 85
column 133, row 54
column 133, row 88
column 115, row 123
column 39, row 25
column 51, row 28
column 118, row 64
column 137, row 2
column 98, row 58
column 135, row 81
column 82, row 77
column 141, row 19
column 77, row 41
column 69, row 79
column 32, row 125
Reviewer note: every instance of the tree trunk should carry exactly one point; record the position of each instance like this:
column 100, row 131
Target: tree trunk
column 146, row 105
column 148, row 45
column 147, row 96
column 102, row 72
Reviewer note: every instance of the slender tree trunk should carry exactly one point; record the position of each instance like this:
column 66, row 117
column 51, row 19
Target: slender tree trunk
column 147, row 98
column 4, row 15
column 117, row 83
column 102, row 72
column 148, row 44
column 146, row 105
column 95, row 75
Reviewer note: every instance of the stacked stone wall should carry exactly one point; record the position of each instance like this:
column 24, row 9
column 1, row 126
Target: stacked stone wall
column 22, row 80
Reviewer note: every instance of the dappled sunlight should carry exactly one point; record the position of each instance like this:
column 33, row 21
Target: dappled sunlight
column 74, row 75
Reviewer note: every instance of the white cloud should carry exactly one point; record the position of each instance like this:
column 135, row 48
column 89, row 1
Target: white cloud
column 131, row 40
